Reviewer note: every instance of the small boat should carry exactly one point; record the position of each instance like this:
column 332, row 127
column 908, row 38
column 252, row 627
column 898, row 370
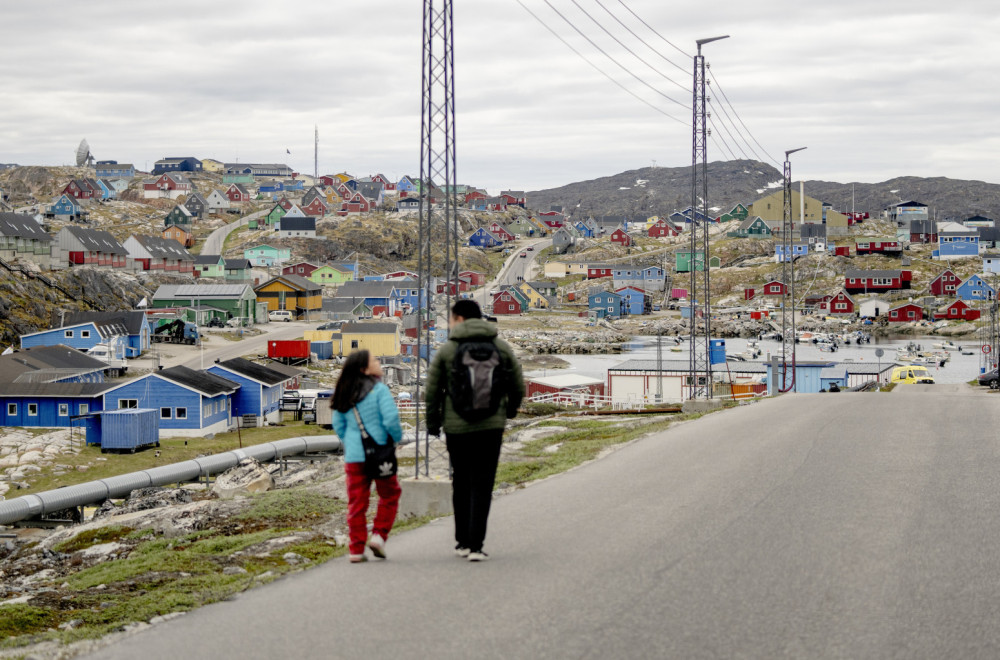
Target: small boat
column 676, row 349
column 902, row 355
column 968, row 351
column 946, row 345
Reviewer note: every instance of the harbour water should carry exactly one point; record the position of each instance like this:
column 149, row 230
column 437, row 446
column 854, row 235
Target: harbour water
column 959, row 369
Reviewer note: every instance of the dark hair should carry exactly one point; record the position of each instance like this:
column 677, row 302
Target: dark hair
column 467, row 309
column 350, row 381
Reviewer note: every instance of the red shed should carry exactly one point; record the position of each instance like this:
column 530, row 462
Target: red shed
column 475, row 277
column 842, row 251
column 621, row 237
column 288, row 348
column 906, row 313
column 595, row 271
column 569, row 386
column 505, row 302
column 945, row 284
column 957, row 311
column 662, row 229
column 773, row 288
column 749, row 293
column 842, row 303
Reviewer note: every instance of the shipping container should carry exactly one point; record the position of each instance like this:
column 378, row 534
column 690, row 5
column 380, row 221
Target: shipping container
column 322, row 349
column 122, row 430
column 288, row 348
column 318, row 335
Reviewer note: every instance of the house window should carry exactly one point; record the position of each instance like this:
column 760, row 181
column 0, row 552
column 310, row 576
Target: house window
column 354, row 343
column 510, row 308
column 180, row 413
column 32, row 410
column 83, row 409
column 165, row 413
column 11, row 409
column 64, row 410
column 911, row 314
column 127, row 403
column 68, row 334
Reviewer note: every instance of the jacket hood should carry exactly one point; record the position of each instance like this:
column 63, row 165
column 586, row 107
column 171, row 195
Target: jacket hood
column 474, row 329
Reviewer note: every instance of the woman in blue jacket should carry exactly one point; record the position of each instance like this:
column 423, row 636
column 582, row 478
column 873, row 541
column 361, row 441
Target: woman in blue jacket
column 360, row 385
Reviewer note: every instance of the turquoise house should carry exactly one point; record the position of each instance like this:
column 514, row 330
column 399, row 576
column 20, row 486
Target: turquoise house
column 267, row 255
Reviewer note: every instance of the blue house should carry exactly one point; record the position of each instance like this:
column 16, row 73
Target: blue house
column 975, row 288
column 136, row 324
column 650, row 279
column 294, row 184
column 483, row 238
column 634, row 301
column 65, row 206
column 956, row 241
column 82, row 336
column 585, row 229
column 407, row 185
column 260, row 388
column 190, row 403
column 107, row 190
column 605, row 304
column 406, row 293
column 798, row 250
column 379, row 296
column 184, row 164
column 808, row 377
column 109, row 169
column 267, row 187
column 479, row 203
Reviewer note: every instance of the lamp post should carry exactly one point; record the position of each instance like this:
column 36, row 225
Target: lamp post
column 788, row 280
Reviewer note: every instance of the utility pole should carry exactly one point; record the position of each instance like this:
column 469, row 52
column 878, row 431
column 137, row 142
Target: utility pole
column 315, row 154
column 700, row 364
column 437, row 242
column 788, row 281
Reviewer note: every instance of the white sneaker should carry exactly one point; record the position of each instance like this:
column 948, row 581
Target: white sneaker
column 357, row 559
column 462, row 552
column 377, row 545
column 478, row 556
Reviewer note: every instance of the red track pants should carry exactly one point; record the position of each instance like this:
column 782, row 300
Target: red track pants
column 359, row 489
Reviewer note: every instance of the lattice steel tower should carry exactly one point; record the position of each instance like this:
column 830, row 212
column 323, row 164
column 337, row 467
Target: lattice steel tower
column 437, row 239
column 699, row 297
column 787, row 382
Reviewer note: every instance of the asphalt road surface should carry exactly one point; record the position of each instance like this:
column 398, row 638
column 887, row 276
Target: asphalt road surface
column 513, row 268
column 809, row 526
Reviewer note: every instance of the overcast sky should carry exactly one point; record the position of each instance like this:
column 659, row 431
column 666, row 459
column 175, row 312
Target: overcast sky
column 873, row 89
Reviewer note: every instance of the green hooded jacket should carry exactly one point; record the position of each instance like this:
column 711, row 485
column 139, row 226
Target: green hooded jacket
column 440, row 413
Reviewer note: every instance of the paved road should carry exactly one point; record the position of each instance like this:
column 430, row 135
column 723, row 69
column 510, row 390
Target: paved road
column 215, row 241
column 514, row 267
column 810, row 526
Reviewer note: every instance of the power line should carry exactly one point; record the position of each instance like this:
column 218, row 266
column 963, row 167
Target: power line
column 651, row 29
column 640, row 39
column 597, row 68
column 605, row 53
column 718, row 86
column 625, row 46
column 738, row 132
column 726, row 129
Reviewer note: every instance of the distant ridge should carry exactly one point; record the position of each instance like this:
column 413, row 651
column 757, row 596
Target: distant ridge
column 663, row 190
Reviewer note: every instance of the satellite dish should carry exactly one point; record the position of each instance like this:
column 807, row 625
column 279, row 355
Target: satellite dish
column 83, row 155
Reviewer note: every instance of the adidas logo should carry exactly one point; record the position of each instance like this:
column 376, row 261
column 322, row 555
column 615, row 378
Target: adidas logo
column 385, row 469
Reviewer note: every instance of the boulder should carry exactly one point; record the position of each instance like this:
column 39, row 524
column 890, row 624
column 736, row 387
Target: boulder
column 247, row 477
column 30, row 457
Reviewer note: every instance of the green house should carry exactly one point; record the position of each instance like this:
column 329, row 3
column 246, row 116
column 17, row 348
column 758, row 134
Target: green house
column 178, row 216
column 740, row 212
column 235, row 300
column 330, row 275
column 209, row 265
column 267, row 255
column 237, row 178
column 521, row 226
column 274, row 215
column 683, row 261
column 754, row 227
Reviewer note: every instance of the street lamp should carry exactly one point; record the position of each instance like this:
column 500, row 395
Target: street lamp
column 788, row 279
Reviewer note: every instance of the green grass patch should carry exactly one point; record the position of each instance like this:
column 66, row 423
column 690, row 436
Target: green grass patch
column 22, row 619
column 291, row 506
column 93, row 537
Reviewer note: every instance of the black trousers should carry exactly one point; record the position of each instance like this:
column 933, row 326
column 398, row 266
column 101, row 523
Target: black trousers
column 474, row 458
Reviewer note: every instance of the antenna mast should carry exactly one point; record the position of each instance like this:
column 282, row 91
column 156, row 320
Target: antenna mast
column 315, row 154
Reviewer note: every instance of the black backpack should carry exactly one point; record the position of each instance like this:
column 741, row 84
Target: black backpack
column 478, row 380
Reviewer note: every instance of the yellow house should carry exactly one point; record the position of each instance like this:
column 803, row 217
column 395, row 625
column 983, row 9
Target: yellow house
column 555, row 269
column 542, row 228
column 535, row 299
column 576, row 268
column 381, row 339
column 772, row 208
column 836, row 223
column 293, row 293
column 212, row 165
column 332, row 197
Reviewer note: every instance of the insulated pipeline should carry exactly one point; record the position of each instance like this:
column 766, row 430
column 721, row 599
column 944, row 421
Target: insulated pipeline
column 50, row 501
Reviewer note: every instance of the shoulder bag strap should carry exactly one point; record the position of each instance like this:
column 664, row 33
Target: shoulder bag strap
column 361, row 425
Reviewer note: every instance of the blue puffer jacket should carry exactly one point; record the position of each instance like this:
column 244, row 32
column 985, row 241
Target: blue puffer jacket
column 380, row 417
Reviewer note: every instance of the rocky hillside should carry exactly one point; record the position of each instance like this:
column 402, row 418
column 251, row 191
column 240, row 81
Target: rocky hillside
column 662, row 190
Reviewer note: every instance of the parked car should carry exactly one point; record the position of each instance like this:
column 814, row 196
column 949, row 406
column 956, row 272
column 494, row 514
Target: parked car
column 215, row 322
column 237, row 322
column 911, row 375
column 332, row 325
column 279, row 315
column 524, row 255
column 991, row 378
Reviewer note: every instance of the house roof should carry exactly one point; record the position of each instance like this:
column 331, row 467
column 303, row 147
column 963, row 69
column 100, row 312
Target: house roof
column 252, row 370
column 237, row 264
column 130, row 319
column 19, row 225
column 567, row 380
column 370, row 189
column 55, row 389
column 164, row 248
column 369, row 328
column 362, row 289
column 341, row 305
column 167, row 291
column 856, row 273
column 297, row 223
column 46, row 362
column 95, row 240
column 208, row 259
column 294, row 281
column 201, row 381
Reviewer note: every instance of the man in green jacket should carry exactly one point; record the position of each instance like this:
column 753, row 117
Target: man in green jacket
column 474, row 446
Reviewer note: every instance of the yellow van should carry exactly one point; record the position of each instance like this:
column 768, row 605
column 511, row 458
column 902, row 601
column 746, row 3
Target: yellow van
column 911, row 375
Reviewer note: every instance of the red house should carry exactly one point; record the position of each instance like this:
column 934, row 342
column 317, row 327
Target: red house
column 237, row 193
column 773, row 288
column 285, row 203
column 842, row 251
column 499, row 231
column 621, row 237
column 316, row 208
column 906, row 313
column 662, row 229
column 957, row 311
column 945, row 284
column 842, row 303
column 821, row 303
column 401, row 274
column 506, row 303
column 876, row 281
column 80, row 189
column 170, row 185
column 514, row 197
column 386, row 183
column 475, row 277
column 553, row 219
column 595, row 271
column 474, row 195
column 354, row 202
column 302, row 269
column 574, row 386
column 889, row 248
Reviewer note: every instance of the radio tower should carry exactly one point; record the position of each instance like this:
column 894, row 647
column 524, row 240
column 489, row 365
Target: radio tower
column 788, row 280
column 437, row 242
column 700, row 366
